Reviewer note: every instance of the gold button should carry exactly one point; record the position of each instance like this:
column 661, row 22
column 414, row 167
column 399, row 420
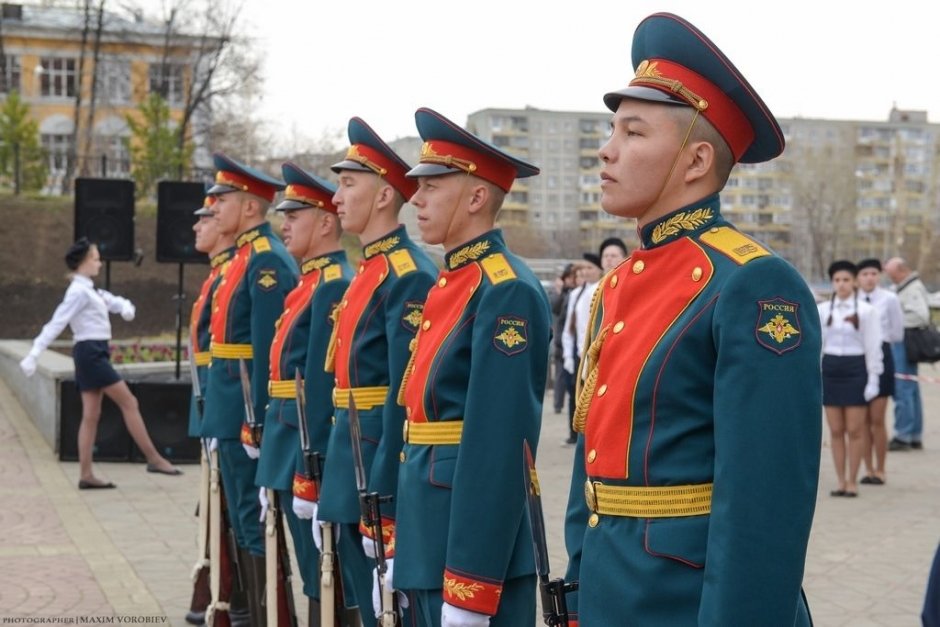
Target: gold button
column 638, row 267
column 381, row 277
column 602, row 390
column 301, row 284
column 592, row 455
column 426, row 325
column 361, row 268
column 408, row 411
column 613, row 281
column 697, row 274
column 339, row 341
column 593, row 520
column 287, row 310
column 714, row 229
column 401, row 457
column 336, row 381
column 222, row 282
column 332, row 420
column 442, row 282
column 345, row 303
column 618, row 327
column 216, row 310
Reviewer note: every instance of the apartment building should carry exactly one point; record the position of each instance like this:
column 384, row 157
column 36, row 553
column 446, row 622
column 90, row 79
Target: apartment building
column 42, row 59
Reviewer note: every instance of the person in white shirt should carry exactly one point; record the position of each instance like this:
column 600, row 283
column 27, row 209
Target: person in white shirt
column 851, row 368
column 86, row 310
column 892, row 330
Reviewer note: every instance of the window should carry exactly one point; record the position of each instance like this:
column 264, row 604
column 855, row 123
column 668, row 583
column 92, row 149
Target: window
column 56, row 148
column 114, row 81
column 167, row 80
column 10, row 69
column 57, row 78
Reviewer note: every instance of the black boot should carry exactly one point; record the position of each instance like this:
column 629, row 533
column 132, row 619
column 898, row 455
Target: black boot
column 256, row 593
column 313, row 613
column 238, row 609
column 350, row 616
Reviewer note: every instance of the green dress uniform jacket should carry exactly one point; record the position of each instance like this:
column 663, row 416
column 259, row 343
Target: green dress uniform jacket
column 376, row 321
column 695, row 478
column 473, row 393
column 199, row 333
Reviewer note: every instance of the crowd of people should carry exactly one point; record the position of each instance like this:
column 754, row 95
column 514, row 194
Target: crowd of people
column 379, row 414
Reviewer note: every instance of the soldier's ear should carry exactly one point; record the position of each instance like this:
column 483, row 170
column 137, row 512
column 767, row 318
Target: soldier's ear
column 479, row 198
column 701, row 162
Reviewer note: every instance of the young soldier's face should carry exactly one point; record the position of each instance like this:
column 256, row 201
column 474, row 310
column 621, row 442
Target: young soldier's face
column 438, row 201
column 298, row 231
column 638, row 158
column 227, row 212
column 355, row 199
column 207, row 233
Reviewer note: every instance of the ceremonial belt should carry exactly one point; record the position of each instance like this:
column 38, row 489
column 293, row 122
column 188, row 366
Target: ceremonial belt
column 202, row 358
column 282, row 389
column 366, row 398
column 648, row 502
column 231, row 351
column 430, row 433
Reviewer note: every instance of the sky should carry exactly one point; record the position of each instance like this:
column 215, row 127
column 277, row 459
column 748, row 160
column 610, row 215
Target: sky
column 326, row 61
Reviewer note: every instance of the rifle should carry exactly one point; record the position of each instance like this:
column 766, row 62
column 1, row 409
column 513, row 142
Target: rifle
column 370, row 504
column 552, row 591
column 253, row 424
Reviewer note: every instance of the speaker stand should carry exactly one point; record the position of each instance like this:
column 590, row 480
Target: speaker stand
column 107, row 275
column 180, row 297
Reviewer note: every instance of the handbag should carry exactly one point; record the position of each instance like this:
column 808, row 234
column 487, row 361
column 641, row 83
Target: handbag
column 922, row 344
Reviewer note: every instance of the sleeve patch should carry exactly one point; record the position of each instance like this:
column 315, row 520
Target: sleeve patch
column 261, row 245
column 411, row 315
column 778, row 325
column 332, row 272
column 737, row 246
column 267, row 279
column 402, row 262
column 511, row 336
column 497, row 268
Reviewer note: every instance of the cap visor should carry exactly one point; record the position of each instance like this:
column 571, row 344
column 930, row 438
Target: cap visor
column 612, row 99
column 219, row 189
column 202, row 212
column 430, row 169
column 291, row 205
column 349, row 164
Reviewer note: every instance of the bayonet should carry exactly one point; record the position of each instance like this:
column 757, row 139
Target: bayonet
column 194, row 374
column 249, row 408
column 552, row 591
column 370, row 504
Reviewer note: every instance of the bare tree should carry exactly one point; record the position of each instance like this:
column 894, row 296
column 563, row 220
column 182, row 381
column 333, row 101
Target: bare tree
column 72, row 154
column 93, row 96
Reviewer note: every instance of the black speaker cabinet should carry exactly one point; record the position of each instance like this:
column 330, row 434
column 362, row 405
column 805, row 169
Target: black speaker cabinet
column 104, row 213
column 164, row 404
column 176, row 202
column 113, row 443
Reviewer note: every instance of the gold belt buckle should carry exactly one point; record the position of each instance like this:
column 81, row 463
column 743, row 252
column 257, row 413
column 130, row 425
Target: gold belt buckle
column 590, row 495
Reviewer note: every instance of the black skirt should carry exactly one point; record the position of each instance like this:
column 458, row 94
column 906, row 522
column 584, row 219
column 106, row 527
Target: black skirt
column 886, row 382
column 93, row 369
column 844, row 379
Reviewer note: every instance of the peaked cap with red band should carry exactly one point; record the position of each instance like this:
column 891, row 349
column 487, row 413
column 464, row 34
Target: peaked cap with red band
column 232, row 176
column 368, row 153
column 305, row 190
column 206, row 209
column 448, row 149
column 677, row 64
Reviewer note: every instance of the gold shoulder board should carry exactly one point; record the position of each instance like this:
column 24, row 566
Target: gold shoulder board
column 402, row 262
column 262, row 245
column 331, row 272
column 497, row 268
column 736, row 245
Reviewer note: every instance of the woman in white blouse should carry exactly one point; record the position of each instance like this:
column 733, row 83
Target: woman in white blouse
column 86, row 310
column 851, row 366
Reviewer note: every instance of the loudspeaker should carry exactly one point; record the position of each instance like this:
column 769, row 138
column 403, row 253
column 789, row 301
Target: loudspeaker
column 113, row 442
column 104, row 213
column 165, row 408
column 176, row 202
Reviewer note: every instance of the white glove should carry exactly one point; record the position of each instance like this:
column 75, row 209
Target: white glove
column 318, row 531
column 569, row 365
column 263, row 499
column 304, row 509
column 871, row 389
column 252, row 451
column 28, row 365
column 368, row 547
column 128, row 311
column 213, row 444
column 453, row 616
column 389, row 587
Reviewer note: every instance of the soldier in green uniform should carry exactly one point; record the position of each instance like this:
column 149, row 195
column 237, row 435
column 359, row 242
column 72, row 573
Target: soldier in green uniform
column 473, row 393
column 696, row 470
column 246, row 304
column 220, row 249
column 311, row 232
column 376, row 321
